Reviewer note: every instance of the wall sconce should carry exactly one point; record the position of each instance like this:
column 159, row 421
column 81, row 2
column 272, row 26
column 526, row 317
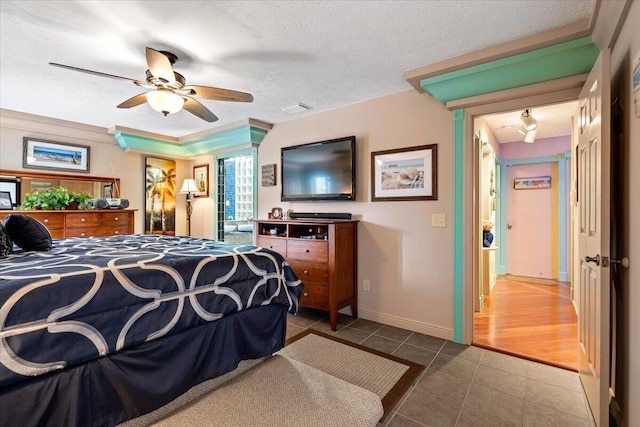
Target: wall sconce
column 189, row 187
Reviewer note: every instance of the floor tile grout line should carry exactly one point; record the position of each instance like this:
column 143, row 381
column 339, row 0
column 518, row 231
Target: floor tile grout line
column 464, row 401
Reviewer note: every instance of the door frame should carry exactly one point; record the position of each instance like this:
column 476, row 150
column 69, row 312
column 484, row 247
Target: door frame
column 469, row 229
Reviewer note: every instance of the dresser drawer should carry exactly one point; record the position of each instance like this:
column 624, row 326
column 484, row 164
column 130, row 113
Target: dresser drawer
column 116, row 219
column 309, row 271
column 315, row 296
column 114, row 231
column 57, row 233
column 83, row 220
column 277, row 244
column 83, row 232
column 50, row 220
column 308, row 250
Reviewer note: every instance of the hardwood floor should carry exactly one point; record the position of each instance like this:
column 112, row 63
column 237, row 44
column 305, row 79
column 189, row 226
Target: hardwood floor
column 530, row 320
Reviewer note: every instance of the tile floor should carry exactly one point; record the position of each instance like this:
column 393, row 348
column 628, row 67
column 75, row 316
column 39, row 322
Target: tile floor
column 464, row 385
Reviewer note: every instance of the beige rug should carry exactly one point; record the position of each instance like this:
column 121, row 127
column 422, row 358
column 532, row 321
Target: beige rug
column 282, row 392
column 317, row 380
column 386, row 375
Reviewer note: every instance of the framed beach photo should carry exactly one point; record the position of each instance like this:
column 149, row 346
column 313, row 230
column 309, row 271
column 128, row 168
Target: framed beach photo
column 201, row 177
column 42, row 154
column 5, row 201
column 405, row 174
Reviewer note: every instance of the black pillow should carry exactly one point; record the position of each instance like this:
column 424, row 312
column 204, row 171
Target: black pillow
column 28, row 233
column 6, row 245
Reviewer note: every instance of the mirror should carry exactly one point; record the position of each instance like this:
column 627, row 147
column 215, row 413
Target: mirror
column 18, row 183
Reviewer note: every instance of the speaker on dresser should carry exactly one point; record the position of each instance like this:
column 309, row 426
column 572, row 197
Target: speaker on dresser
column 319, row 215
column 110, row 203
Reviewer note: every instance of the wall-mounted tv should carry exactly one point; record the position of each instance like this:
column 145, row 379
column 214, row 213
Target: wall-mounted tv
column 324, row 170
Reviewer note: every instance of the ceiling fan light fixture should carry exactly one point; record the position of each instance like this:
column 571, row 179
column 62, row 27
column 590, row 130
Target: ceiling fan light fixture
column 165, row 101
column 528, row 121
column 531, row 136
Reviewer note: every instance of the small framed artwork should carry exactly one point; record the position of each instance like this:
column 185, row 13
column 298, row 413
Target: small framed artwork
column 268, row 175
column 201, row 177
column 533, row 182
column 405, row 174
column 5, row 201
column 107, row 191
column 41, row 154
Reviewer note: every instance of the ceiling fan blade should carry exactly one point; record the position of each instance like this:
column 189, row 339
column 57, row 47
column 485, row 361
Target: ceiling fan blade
column 134, row 101
column 218, row 94
column 97, row 73
column 199, row 110
column 160, row 66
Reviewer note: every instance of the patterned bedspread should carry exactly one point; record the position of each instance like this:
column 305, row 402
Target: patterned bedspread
column 90, row 297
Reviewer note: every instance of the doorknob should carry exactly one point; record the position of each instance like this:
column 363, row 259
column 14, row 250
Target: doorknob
column 509, row 226
column 595, row 259
column 623, row 262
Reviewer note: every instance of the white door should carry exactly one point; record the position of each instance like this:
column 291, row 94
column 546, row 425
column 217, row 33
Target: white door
column 594, row 150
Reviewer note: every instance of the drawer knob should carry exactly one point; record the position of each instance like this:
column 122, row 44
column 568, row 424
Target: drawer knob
column 46, row 220
column 306, row 250
column 115, row 219
column 82, row 234
column 82, row 219
column 116, row 232
column 305, row 294
column 306, row 272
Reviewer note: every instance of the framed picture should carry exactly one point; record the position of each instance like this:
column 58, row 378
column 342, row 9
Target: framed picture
column 533, row 182
column 201, row 177
column 405, row 174
column 5, row 201
column 41, row 154
column 107, row 191
column 268, row 175
column 160, row 196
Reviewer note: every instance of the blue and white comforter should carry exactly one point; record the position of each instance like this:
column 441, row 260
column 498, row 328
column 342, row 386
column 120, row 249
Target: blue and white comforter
column 87, row 298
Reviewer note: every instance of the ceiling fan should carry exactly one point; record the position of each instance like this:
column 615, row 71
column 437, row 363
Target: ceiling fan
column 169, row 92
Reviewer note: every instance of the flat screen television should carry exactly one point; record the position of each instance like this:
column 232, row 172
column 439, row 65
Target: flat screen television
column 324, row 170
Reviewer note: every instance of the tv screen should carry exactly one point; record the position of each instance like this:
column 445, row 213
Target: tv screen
column 324, row 170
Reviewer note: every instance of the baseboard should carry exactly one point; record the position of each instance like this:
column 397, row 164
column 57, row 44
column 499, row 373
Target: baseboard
column 411, row 325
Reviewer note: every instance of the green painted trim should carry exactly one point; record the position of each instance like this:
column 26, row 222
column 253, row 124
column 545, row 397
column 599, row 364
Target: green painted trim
column 502, row 224
column 553, row 62
column 458, row 225
column 228, row 139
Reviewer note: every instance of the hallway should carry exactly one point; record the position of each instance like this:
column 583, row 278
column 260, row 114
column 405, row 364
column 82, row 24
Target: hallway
column 535, row 321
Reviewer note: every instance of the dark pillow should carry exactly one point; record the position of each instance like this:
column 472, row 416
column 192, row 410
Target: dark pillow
column 28, row 233
column 6, row 245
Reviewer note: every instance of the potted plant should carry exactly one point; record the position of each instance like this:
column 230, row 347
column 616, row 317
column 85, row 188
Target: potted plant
column 57, row 198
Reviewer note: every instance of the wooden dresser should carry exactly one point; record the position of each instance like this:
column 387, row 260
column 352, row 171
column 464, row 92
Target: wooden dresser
column 323, row 254
column 83, row 223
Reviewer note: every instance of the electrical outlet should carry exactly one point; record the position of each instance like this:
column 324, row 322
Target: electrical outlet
column 438, row 220
column 366, row 285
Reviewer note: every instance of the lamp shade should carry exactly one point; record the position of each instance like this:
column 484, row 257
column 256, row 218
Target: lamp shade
column 189, row 186
column 531, row 136
column 165, row 101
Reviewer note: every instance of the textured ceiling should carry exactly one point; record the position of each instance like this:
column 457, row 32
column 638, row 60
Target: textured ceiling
column 324, row 54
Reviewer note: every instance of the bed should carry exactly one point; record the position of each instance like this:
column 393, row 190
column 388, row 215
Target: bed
column 97, row 331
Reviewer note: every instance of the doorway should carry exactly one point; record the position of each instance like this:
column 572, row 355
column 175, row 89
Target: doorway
column 524, row 287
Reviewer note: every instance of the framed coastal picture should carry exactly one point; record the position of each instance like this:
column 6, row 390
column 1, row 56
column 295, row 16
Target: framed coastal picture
column 160, row 196
column 268, row 175
column 50, row 155
column 532, row 182
column 201, row 177
column 405, row 174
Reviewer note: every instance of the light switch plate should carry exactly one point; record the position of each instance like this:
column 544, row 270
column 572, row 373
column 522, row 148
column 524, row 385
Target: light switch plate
column 438, row 220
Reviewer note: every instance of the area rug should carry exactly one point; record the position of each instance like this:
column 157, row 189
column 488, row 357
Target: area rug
column 386, row 375
column 318, row 379
column 281, row 392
